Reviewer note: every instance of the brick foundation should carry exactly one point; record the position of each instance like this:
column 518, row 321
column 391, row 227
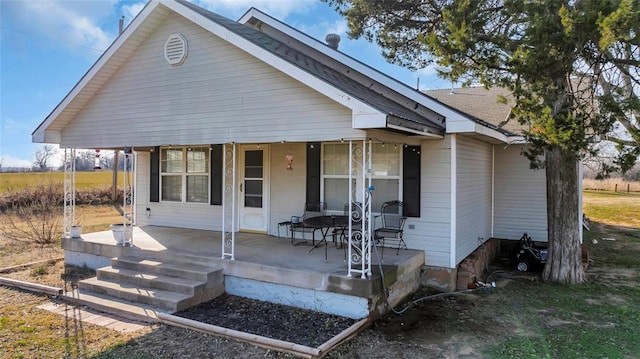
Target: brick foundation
column 470, row 270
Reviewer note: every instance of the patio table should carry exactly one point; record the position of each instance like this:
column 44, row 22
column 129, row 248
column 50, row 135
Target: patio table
column 324, row 223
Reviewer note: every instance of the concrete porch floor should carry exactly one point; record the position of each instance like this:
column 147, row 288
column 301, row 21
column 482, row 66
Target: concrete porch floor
column 266, row 267
column 249, row 247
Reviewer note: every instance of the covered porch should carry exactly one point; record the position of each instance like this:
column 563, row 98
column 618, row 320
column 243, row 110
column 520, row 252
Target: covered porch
column 291, row 275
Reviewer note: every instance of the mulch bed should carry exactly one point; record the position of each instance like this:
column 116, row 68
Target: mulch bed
column 276, row 321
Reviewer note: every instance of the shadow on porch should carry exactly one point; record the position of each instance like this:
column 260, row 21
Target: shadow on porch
column 265, row 267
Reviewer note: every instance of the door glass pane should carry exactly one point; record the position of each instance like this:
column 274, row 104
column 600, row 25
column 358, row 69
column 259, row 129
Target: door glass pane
column 253, row 202
column 253, row 193
column 253, row 187
column 253, row 164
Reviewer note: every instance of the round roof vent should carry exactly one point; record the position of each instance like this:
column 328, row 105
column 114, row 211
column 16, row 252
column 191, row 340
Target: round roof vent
column 175, row 49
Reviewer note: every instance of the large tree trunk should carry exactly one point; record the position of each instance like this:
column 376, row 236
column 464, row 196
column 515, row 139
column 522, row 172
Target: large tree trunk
column 564, row 264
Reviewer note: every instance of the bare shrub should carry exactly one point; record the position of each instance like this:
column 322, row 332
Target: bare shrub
column 35, row 215
column 91, row 196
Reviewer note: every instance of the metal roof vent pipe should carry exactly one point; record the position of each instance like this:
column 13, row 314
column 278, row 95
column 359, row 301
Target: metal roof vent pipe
column 332, row 40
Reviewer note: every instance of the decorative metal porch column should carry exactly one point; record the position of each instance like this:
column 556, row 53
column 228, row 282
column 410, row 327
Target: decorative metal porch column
column 128, row 174
column 69, row 191
column 360, row 205
column 229, row 202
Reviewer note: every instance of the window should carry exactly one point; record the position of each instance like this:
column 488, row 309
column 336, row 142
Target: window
column 184, row 173
column 385, row 175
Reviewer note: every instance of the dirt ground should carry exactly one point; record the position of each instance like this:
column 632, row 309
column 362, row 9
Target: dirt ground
column 456, row 326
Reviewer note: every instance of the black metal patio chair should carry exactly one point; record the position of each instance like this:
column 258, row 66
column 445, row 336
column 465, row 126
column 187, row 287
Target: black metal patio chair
column 392, row 228
column 311, row 209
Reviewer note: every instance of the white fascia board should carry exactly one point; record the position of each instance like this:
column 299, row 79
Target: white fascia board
column 415, row 132
column 517, row 140
column 272, row 60
column 395, row 85
column 46, row 136
column 106, row 56
column 460, row 126
column 364, row 121
column 484, row 130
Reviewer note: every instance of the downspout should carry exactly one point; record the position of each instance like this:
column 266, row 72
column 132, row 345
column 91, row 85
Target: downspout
column 493, row 187
column 453, row 194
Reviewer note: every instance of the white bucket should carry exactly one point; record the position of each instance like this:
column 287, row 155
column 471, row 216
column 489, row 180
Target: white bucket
column 121, row 233
column 76, row 231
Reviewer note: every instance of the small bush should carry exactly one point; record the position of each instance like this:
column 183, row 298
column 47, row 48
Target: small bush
column 39, row 271
column 35, row 215
column 75, row 273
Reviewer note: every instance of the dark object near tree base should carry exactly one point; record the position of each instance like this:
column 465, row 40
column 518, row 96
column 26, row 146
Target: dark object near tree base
column 529, row 257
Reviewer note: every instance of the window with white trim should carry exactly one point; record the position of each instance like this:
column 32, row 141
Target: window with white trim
column 385, row 175
column 184, row 174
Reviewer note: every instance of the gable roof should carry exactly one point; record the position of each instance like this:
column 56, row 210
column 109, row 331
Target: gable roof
column 399, row 114
column 424, row 99
column 365, row 102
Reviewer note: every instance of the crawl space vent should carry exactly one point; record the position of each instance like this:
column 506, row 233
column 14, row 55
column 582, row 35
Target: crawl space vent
column 175, row 49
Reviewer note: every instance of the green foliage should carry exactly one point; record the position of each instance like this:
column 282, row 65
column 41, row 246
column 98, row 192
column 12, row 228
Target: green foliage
column 572, row 65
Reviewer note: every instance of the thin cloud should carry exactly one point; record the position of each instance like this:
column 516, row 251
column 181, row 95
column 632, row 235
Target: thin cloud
column 276, row 8
column 131, row 11
column 13, row 162
column 71, row 24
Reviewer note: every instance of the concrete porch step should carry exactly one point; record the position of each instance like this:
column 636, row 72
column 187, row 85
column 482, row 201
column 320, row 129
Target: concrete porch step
column 116, row 306
column 166, row 300
column 185, row 269
column 150, row 280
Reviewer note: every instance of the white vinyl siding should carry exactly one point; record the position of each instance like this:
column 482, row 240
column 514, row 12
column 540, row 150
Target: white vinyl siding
column 170, row 214
column 520, row 196
column 286, row 187
column 219, row 94
column 473, row 199
column 431, row 232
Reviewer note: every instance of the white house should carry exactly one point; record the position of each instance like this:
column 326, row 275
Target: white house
column 215, row 110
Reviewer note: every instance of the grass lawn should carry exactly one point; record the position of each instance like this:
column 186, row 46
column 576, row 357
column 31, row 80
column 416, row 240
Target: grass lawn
column 598, row 319
column 617, row 208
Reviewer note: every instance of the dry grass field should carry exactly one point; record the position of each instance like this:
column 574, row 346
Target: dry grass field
column 611, row 185
column 18, row 181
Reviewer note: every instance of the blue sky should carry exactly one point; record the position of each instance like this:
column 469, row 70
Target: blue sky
column 47, row 45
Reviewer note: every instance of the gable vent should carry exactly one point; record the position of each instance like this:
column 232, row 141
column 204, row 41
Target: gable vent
column 175, row 49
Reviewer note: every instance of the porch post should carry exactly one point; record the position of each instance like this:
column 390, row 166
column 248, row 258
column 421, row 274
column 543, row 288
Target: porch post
column 127, row 198
column 360, row 241
column 350, row 232
column 69, row 191
column 228, row 235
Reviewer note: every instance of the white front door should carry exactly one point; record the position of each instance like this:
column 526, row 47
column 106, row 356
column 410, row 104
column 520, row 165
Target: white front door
column 253, row 186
